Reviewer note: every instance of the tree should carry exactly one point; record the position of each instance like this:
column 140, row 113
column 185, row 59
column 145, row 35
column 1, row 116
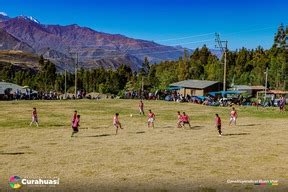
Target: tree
column 145, row 67
column 123, row 75
column 212, row 70
column 280, row 36
column 47, row 75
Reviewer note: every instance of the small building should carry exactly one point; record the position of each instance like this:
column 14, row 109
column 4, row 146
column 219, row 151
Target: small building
column 257, row 88
column 269, row 93
column 196, row 87
column 13, row 87
column 251, row 90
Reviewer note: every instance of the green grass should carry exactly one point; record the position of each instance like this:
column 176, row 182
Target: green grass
column 160, row 159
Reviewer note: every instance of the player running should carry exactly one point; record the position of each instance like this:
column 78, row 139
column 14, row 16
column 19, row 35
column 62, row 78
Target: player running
column 185, row 120
column 34, row 117
column 233, row 116
column 218, row 124
column 74, row 117
column 75, row 125
column 117, row 123
column 151, row 118
column 179, row 122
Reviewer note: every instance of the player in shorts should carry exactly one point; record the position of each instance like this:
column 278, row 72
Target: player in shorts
column 141, row 108
column 233, row 116
column 151, row 119
column 185, row 120
column 75, row 125
column 179, row 122
column 116, row 122
column 218, row 124
column 34, row 117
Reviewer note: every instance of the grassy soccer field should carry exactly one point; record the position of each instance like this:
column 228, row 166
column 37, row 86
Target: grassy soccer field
column 160, row 159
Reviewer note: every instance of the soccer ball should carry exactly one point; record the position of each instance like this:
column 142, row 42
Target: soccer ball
column 131, row 115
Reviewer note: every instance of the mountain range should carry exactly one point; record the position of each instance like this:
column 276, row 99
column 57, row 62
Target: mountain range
column 64, row 45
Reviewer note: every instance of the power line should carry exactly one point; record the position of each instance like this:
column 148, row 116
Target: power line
column 118, row 54
column 187, row 37
column 152, row 47
column 245, row 31
column 171, row 39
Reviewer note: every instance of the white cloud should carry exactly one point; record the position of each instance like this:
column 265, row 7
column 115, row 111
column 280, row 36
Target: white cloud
column 3, row 13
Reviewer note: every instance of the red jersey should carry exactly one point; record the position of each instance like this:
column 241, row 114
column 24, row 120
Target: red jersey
column 74, row 117
column 34, row 114
column 151, row 115
column 218, row 121
column 233, row 114
column 76, row 122
column 185, row 118
column 115, row 120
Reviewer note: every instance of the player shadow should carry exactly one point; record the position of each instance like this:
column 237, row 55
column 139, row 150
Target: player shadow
column 99, row 127
column 101, row 135
column 168, row 127
column 196, row 127
column 248, row 125
column 140, row 132
column 235, row 134
column 16, row 153
column 59, row 125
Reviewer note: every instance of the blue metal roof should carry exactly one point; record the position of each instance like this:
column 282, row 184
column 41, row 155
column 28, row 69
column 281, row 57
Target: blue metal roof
column 223, row 93
column 174, row 88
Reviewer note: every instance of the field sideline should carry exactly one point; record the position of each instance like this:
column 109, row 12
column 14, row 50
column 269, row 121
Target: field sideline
column 160, row 159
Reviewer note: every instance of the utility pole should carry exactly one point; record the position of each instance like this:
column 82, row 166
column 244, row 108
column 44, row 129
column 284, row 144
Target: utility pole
column 266, row 83
column 224, row 51
column 142, row 88
column 76, row 66
column 65, row 96
column 75, row 70
column 286, row 49
column 285, row 46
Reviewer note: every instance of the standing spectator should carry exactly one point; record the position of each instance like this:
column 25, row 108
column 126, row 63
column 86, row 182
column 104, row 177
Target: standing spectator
column 218, row 124
column 34, row 117
column 141, row 107
column 282, row 103
column 233, row 116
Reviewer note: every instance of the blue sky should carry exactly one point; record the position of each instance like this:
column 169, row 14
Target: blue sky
column 244, row 23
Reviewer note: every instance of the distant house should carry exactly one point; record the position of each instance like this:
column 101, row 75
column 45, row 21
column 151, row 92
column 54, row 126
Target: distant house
column 252, row 90
column 4, row 86
column 273, row 92
column 196, row 87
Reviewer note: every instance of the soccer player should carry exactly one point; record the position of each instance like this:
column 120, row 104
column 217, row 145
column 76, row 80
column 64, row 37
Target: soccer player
column 34, row 117
column 76, row 125
column 218, row 124
column 74, row 117
column 233, row 116
column 116, row 122
column 179, row 122
column 151, row 118
column 185, row 120
column 141, row 107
